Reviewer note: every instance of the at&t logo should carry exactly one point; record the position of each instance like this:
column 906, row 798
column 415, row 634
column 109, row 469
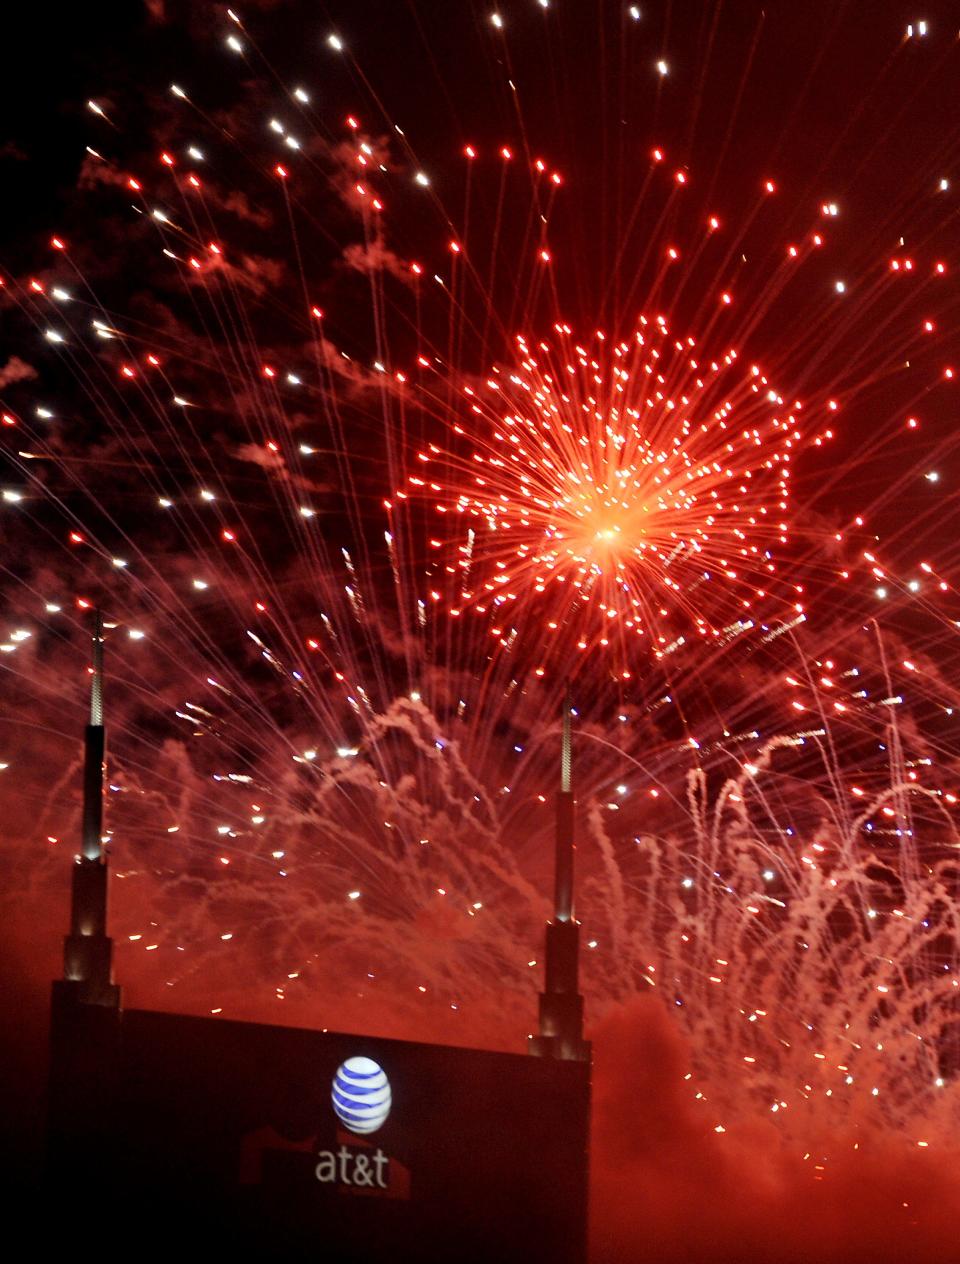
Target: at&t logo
column 361, row 1101
column 361, row 1095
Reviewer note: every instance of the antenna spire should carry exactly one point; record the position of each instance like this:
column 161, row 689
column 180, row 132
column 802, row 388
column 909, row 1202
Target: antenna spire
column 561, row 1005
column 96, row 684
column 93, row 750
column 563, row 863
column 565, row 751
column 88, row 950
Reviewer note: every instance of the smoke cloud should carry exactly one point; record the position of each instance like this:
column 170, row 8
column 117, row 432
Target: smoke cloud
column 667, row 1186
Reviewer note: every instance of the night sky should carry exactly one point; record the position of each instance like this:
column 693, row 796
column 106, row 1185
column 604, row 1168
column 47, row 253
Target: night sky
column 408, row 365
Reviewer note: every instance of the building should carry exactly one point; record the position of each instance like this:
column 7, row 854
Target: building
column 183, row 1133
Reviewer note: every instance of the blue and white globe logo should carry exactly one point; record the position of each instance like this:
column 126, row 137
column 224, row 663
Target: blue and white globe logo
column 361, row 1095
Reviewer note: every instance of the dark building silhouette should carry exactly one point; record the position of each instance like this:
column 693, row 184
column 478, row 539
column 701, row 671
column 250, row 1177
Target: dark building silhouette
column 179, row 1134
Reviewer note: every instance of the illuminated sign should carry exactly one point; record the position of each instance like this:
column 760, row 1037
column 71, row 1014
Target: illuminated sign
column 361, row 1098
column 353, row 1167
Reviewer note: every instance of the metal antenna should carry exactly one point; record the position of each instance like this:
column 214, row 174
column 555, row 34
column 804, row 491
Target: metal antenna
column 96, row 685
column 561, row 1005
column 566, row 758
column 88, row 949
column 93, row 754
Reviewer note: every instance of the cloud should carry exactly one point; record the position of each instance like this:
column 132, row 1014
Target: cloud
column 348, row 172
column 666, row 1185
column 255, row 273
column 374, row 256
column 96, row 171
column 16, row 370
column 275, row 463
column 238, row 204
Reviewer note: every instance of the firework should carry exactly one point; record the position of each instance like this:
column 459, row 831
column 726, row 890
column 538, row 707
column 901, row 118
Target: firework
column 369, row 439
column 628, row 482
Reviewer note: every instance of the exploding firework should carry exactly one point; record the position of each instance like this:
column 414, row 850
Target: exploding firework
column 632, row 480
